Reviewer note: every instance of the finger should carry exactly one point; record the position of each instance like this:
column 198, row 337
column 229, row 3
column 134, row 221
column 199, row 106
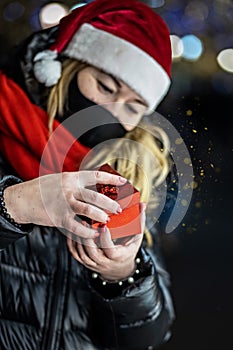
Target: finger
column 107, row 245
column 71, row 245
column 143, row 215
column 89, row 211
column 142, row 206
column 86, row 260
column 87, row 178
column 132, row 240
column 92, row 249
column 94, row 252
column 98, row 199
column 79, row 230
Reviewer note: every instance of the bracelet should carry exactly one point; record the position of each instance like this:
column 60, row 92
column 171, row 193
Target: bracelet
column 127, row 281
column 3, row 209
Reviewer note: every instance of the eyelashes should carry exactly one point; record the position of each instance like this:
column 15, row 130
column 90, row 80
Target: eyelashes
column 105, row 87
column 107, row 90
column 131, row 109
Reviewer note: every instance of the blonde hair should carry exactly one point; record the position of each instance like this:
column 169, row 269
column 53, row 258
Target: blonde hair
column 141, row 156
column 58, row 93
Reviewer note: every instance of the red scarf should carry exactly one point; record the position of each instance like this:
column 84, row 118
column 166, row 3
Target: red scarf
column 24, row 136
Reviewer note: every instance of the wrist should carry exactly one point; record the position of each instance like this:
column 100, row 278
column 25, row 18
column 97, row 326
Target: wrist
column 128, row 279
column 9, row 195
column 127, row 272
column 7, row 202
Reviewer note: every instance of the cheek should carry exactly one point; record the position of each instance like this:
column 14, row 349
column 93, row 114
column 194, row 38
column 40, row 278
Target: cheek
column 87, row 86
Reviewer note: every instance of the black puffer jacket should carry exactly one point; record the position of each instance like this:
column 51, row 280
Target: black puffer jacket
column 49, row 301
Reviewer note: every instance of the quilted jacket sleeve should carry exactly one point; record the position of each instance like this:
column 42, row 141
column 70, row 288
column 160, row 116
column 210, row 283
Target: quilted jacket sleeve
column 8, row 232
column 140, row 317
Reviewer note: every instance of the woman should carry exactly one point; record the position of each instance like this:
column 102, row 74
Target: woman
column 59, row 288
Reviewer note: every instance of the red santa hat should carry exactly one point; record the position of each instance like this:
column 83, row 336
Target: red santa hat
column 124, row 38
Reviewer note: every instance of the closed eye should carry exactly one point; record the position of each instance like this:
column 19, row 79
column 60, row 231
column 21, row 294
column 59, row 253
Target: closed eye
column 105, row 87
column 131, row 109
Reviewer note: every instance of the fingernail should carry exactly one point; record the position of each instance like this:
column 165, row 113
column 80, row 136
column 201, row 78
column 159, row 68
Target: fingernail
column 102, row 228
column 119, row 210
column 122, row 179
column 143, row 204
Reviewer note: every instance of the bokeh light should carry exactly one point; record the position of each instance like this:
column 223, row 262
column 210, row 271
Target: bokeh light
column 154, row 3
column 177, row 47
column 51, row 14
column 193, row 47
column 225, row 60
column 13, row 11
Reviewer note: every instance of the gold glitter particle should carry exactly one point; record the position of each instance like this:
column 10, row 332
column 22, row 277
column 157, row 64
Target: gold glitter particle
column 187, row 160
column 193, row 184
column 189, row 112
column 212, row 165
column 194, row 131
column 205, row 128
column 198, row 204
column 190, row 230
column 184, row 202
column 202, row 173
column 183, row 224
column 178, row 141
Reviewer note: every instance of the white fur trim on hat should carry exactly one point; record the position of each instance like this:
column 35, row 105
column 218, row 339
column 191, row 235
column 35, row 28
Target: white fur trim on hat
column 123, row 60
column 46, row 69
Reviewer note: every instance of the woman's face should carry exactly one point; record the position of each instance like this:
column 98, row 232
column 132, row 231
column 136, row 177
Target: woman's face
column 101, row 88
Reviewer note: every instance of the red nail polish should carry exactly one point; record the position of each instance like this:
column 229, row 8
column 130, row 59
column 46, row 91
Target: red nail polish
column 102, row 228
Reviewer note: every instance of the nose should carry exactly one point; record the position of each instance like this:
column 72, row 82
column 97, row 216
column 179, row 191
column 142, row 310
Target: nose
column 114, row 108
column 117, row 110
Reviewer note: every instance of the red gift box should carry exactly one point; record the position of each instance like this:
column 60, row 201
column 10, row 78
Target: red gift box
column 128, row 222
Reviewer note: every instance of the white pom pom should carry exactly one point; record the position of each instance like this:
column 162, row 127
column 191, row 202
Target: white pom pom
column 46, row 69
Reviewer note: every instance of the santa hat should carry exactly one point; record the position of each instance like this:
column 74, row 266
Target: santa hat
column 124, row 38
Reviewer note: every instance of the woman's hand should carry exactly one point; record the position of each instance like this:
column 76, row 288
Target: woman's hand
column 56, row 199
column 113, row 262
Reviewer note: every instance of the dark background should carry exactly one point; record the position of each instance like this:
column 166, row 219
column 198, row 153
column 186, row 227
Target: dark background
column 199, row 251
